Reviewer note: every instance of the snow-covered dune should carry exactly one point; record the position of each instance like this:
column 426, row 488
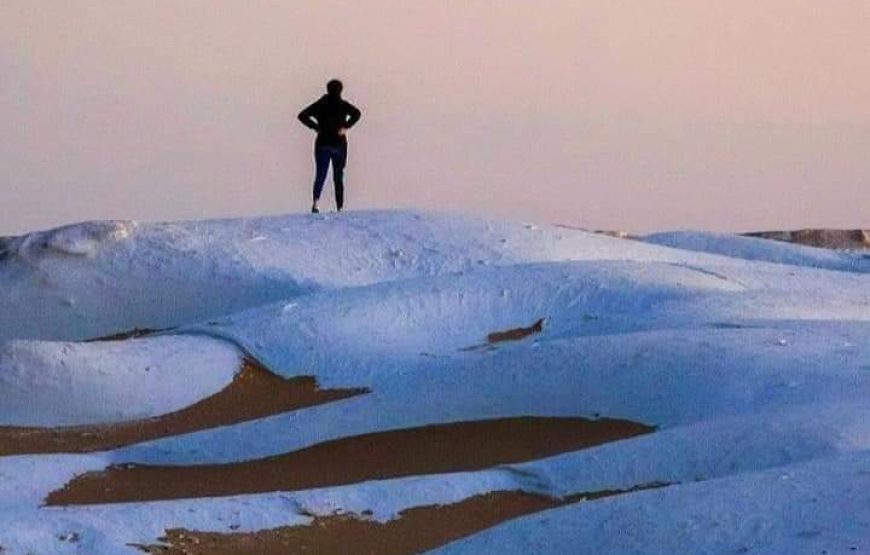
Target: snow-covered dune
column 702, row 375
column 99, row 278
column 65, row 384
column 772, row 512
column 761, row 249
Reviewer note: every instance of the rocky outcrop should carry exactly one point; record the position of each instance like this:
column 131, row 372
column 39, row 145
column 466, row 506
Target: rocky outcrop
column 825, row 238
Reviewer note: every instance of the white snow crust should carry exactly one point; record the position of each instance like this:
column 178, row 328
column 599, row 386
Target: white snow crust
column 751, row 357
column 754, row 248
column 64, row 384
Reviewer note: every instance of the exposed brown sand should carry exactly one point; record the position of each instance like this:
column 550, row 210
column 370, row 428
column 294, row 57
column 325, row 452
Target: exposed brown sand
column 433, row 449
column 254, row 393
column 134, row 333
column 617, row 233
column 415, row 530
column 515, row 334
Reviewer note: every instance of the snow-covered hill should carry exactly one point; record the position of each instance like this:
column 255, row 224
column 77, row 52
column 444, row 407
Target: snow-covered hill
column 504, row 387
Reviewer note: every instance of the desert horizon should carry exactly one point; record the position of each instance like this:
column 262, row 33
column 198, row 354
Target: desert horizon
column 745, row 117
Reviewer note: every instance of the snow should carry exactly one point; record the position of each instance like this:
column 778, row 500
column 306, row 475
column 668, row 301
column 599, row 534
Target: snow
column 108, row 529
column 64, row 384
column 76, row 240
column 818, row 507
column 663, row 378
column 752, row 248
column 445, row 314
column 751, row 357
column 142, row 275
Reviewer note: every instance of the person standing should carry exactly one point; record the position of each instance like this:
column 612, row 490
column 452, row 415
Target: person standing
column 331, row 116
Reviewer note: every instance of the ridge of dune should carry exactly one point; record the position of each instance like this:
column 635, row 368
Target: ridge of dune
column 95, row 279
column 54, row 384
column 253, row 393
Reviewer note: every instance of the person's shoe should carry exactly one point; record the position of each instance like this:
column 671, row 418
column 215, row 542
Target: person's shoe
column 314, row 209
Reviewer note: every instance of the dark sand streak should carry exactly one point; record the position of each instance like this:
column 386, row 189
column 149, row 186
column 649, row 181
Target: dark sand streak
column 254, row 393
column 135, row 333
column 455, row 447
column 515, row 334
column 415, row 530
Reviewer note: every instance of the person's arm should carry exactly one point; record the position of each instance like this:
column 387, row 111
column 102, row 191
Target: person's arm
column 307, row 116
column 353, row 115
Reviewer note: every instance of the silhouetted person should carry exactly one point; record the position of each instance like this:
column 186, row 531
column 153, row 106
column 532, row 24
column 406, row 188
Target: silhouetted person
column 331, row 116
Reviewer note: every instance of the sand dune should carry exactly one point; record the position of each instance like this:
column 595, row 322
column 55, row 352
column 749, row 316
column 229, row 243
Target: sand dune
column 414, row 531
column 443, row 448
column 254, row 393
column 736, row 367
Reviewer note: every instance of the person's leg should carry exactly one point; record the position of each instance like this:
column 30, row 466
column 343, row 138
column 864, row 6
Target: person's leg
column 339, row 159
column 321, row 164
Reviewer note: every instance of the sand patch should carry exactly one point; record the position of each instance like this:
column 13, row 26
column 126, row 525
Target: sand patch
column 615, row 233
column 414, row 531
column 134, row 333
column 254, row 393
column 515, row 334
column 436, row 449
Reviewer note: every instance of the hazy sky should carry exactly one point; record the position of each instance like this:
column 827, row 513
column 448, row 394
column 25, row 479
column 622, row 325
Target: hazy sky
column 659, row 114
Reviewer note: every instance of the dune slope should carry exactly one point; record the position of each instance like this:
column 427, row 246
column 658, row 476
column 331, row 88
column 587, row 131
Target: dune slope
column 429, row 382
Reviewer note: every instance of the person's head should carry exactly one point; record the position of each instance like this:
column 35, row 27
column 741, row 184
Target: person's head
column 334, row 87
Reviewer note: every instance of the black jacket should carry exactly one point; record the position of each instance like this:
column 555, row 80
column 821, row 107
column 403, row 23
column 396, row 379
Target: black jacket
column 327, row 116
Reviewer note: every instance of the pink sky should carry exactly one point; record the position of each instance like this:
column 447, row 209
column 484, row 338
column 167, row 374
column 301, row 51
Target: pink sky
column 662, row 114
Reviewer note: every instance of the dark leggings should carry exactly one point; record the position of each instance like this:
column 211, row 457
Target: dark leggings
column 323, row 155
